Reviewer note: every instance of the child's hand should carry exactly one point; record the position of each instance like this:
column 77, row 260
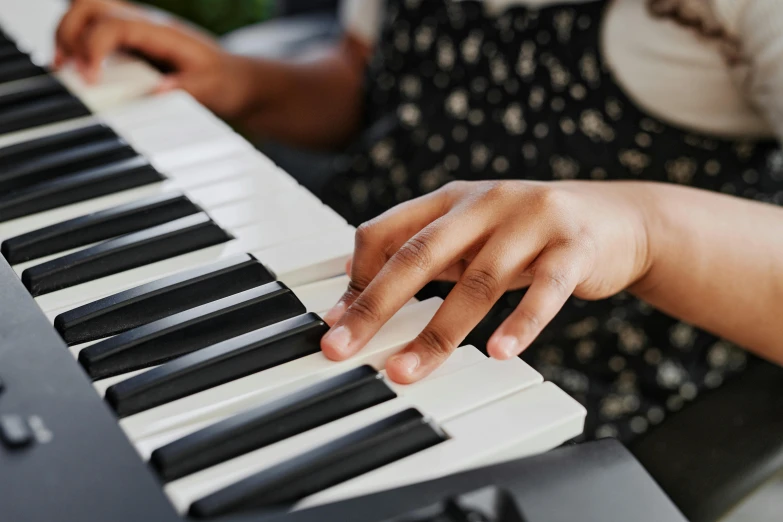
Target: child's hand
column 561, row 238
column 93, row 29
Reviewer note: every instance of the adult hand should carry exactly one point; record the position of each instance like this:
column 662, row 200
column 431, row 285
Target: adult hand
column 93, row 29
column 560, row 238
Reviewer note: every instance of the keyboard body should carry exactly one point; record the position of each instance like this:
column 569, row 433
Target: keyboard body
column 596, row 482
column 86, row 470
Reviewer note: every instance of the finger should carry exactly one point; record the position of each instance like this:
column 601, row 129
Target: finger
column 481, row 285
column 557, row 272
column 157, row 42
column 381, row 237
column 454, row 272
column 59, row 59
column 73, row 23
column 167, row 84
column 98, row 42
column 416, row 263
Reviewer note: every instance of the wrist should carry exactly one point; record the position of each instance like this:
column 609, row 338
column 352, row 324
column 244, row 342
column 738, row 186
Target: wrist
column 235, row 95
column 652, row 203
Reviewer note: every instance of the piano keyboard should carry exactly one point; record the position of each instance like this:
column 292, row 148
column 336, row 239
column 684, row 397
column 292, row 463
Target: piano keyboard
column 188, row 274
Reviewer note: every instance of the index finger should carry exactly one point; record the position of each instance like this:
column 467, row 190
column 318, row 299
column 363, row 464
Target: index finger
column 420, row 260
column 72, row 26
column 381, row 237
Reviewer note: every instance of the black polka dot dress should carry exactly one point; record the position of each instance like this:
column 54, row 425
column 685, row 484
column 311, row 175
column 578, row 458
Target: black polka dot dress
column 456, row 93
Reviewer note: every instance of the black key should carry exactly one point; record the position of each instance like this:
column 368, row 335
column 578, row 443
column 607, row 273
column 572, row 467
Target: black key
column 229, row 360
column 124, row 253
column 14, row 431
column 186, row 332
column 15, row 155
column 9, row 53
column 73, row 188
column 102, row 225
column 19, row 69
column 50, row 109
column 280, row 486
column 41, row 88
column 325, row 402
column 164, row 297
column 68, row 161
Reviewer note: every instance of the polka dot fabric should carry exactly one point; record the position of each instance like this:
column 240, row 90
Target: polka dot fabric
column 456, row 93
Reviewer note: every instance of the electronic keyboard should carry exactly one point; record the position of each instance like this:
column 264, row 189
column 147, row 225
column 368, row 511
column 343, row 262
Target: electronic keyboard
column 164, row 285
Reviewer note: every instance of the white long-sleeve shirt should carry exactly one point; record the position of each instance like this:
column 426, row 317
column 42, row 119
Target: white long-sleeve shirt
column 670, row 70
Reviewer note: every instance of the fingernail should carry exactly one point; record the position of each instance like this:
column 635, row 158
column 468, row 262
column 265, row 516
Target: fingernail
column 167, row 84
column 407, row 362
column 334, row 315
column 508, row 346
column 339, row 339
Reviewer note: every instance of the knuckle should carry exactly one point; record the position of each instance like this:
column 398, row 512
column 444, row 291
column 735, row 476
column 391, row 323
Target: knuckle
column 550, row 200
column 366, row 309
column 496, row 190
column 416, row 253
column 356, row 286
column 481, row 285
column 452, row 192
column 436, row 342
column 355, row 289
column 364, row 234
column 528, row 318
column 557, row 280
column 454, row 187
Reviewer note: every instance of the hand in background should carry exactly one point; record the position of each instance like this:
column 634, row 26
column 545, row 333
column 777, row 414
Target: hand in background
column 93, row 29
column 583, row 238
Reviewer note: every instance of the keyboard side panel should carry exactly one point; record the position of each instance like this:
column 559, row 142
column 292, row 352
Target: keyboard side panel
column 87, row 471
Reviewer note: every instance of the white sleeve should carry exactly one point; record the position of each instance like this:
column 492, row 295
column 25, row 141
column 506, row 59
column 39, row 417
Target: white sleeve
column 758, row 24
column 362, row 18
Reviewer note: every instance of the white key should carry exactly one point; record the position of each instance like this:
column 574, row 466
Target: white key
column 163, row 135
column 161, row 110
column 158, row 108
column 319, row 297
column 178, row 180
column 236, row 396
column 32, row 25
column 439, row 399
column 207, row 198
column 258, row 237
column 198, row 152
column 311, row 259
column 294, row 211
column 258, row 188
column 122, row 79
column 532, row 421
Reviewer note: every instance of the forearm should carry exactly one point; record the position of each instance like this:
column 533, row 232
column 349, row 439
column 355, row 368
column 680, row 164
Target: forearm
column 315, row 103
column 716, row 262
